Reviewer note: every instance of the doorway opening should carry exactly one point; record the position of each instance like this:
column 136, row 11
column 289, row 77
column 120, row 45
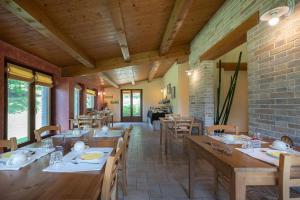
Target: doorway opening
column 131, row 105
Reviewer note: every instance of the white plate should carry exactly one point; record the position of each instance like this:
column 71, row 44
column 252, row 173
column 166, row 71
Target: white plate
column 271, row 146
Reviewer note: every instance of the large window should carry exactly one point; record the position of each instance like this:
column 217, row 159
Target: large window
column 28, row 102
column 18, row 110
column 90, row 99
column 77, row 101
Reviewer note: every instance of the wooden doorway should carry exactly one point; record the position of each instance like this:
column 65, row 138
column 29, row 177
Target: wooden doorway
column 131, row 105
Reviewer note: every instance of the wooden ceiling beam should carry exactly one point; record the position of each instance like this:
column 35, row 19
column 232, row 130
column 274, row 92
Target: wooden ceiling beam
column 112, row 9
column 178, row 15
column 108, row 80
column 176, row 53
column 153, row 71
column 230, row 66
column 33, row 15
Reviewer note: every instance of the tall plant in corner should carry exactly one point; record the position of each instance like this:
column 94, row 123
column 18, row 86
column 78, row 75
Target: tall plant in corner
column 221, row 116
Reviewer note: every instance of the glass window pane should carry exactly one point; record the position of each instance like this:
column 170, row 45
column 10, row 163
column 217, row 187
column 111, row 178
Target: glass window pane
column 90, row 101
column 42, row 106
column 18, row 110
column 136, row 103
column 76, row 102
column 126, row 104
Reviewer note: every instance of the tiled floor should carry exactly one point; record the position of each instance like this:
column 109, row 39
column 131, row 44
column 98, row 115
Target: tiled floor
column 152, row 176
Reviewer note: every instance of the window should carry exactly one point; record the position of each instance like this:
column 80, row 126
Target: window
column 76, row 101
column 18, row 110
column 27, row 91
column 90, row 99
column 42, row 106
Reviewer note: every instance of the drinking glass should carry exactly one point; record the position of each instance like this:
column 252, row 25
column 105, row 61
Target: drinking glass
column 47, row 145
column 56, row 158
column 248, row 145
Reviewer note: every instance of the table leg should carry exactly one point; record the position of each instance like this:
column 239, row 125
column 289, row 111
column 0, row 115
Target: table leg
column 192, row 165
column 238, row 187
column 166, row 138
column 160, row 139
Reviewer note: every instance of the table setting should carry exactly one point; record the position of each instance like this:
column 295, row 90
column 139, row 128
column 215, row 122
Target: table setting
column 81, row 158
column 268, row 154
column 15, row 160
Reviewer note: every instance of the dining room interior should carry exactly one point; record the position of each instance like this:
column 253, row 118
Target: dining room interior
column 150, row 99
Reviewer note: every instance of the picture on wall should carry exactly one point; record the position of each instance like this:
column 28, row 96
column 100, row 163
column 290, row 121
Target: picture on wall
column 169, row 88
column 173, row 92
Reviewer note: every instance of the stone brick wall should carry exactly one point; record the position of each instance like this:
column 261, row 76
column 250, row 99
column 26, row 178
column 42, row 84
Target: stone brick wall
column 201, row 90
column 227, row 18
column 274, row 78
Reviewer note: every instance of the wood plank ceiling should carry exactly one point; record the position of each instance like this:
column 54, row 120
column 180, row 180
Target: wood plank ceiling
column 121, row 41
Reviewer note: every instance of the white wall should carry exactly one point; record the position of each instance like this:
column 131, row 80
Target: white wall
column 239, row 109
column 176, row 76
column 151, row 96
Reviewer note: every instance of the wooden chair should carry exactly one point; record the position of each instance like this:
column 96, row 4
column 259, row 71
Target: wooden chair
column 183, row 126
column 109, row 187
column 123, row 166
column 286, row 179
column 85, row 123
column 219, row 178
column 225, row 128
column 10, row 144
column 38, row 133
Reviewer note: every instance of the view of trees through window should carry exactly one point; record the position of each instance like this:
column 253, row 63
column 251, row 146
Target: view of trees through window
column 90, row 101
column 18, row 110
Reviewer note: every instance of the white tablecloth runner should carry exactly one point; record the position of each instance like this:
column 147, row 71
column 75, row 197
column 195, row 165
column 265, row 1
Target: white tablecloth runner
column 260, row 154
column 68, row 164
column 69, row 134
column 240, row 139
column 39, row 152
column 111, row 133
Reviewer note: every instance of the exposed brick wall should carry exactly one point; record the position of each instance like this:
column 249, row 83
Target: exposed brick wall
column 201, row 90
column 274, row 78
column 227, row 18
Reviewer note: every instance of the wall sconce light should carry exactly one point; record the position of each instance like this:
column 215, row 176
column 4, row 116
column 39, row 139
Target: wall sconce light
column 189, row 72
column 273, row 16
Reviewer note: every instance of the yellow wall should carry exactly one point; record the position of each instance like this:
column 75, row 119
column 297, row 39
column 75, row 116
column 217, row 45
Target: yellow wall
column 177, row 77
column 151, row 96
column 239, row 109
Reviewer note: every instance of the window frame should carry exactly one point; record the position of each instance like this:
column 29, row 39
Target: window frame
column 32, row 102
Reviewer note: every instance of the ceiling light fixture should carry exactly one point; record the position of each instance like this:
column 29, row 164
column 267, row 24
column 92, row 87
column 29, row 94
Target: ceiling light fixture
column 274, row 15
column 189, row 72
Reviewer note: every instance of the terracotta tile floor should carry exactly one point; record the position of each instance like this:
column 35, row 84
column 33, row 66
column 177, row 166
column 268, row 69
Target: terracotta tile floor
column 152, row 176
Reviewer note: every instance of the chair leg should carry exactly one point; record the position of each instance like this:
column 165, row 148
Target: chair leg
column 124, row 181
column 216, row 183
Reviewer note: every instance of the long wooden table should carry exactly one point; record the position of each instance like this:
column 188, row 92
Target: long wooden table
column 31, row 182
column 241, row 169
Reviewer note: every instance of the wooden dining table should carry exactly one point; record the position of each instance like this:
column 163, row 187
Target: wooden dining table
column 31, row 182
column 241, row 169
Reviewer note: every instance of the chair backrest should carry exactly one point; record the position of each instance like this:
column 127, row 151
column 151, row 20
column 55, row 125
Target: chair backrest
column 174, row 115
column 85, row 122
column 184, row 124
column 225, row 128
column 38, row 133
column 110, row 174
column 11, row 144
column 286, row 179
